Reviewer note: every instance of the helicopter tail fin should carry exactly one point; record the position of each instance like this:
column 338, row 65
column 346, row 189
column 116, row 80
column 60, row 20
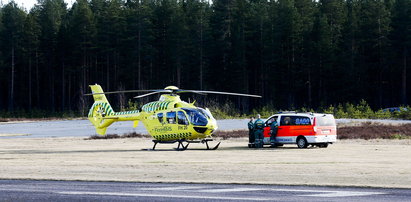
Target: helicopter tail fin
column 101, row 111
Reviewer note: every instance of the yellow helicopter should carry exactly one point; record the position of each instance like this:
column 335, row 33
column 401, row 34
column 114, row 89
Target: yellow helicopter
column 168, row 120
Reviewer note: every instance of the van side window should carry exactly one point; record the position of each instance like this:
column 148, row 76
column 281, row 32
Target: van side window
column 160, row 117
column 302, row 120
column 295, row 120
column 285, row 121
column 171, row 117
column 182, row 119
column 269, row 121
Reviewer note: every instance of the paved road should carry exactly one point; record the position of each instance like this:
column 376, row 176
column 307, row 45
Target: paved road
column 83, row 128
column 27, row 190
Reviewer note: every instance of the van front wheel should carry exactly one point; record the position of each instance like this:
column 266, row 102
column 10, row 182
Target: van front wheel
column 302, row 142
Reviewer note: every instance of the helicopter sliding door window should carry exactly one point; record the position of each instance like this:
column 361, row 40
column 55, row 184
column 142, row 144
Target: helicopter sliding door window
column 160, row 117
column 171, row 117
column 182, row 119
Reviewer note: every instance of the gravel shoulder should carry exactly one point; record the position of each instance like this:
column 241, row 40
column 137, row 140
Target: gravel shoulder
column 373, row 163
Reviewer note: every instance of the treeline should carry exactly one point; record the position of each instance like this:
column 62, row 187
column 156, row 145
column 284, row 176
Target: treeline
column 295, row 53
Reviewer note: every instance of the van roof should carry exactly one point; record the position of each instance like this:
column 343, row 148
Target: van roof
column 301, row 113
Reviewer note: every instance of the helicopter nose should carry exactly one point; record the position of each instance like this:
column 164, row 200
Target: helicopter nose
column 212, row 126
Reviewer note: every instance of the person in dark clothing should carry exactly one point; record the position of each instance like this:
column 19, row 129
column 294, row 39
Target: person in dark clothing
column 258, row 132
column 251, row 136
column 273, row 135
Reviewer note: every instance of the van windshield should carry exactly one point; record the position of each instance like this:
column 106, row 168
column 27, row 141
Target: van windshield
column 326, row 120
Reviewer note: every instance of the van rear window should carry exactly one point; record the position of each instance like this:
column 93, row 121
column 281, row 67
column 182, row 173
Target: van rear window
column 326, row 121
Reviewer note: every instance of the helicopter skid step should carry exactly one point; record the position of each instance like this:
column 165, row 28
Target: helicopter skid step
column 182, row 147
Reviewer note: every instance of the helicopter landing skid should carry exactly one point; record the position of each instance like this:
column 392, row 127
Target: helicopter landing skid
column 206, row 142
column 181, row 144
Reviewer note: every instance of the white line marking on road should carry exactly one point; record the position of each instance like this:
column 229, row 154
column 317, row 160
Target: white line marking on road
column 171, row 188
column 344, row 194
column 165, row 196
column 326, row 193
column 229, row 190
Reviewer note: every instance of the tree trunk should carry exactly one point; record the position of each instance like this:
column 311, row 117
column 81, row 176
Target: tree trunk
column 11, row 100
column 139, row 49
column 63, row 93
column 108, row 72
column 30, row 85
column 201, row 50
column 37, row 79
column 404, row 78
column 309, row 90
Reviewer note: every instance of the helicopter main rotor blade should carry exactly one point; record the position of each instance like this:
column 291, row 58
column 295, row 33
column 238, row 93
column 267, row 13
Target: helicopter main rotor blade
column 217, row 92
column 125, row 91
column 190, row 91
column 152, row 93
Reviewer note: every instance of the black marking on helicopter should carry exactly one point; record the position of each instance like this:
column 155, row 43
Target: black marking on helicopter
column 107, row 110
column 156, row 106
column 104, row 106
column 126, row 112
column 173, row 136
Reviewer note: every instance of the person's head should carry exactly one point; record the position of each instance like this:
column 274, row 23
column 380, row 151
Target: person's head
column 252, row 118
column 287, row 120
column 258, row 116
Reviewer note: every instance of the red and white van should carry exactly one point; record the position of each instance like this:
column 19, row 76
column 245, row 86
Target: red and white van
column 302, row 129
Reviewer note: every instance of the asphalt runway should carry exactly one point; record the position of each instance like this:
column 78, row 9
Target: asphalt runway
column 83, row 128
column 28, row 190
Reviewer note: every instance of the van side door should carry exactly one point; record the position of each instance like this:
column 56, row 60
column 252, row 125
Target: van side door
column 267, row 126
column 294, row 125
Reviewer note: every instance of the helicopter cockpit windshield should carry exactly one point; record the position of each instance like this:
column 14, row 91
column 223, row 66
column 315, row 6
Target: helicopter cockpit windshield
column 206, row 113
column 196, row 117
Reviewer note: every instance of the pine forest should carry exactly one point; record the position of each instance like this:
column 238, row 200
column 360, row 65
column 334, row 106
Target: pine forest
column 295, row 53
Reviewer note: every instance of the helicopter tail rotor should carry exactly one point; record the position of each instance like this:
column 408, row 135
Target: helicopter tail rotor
column 100, row 110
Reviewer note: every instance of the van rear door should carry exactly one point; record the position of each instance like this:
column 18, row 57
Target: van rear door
column 325, row 125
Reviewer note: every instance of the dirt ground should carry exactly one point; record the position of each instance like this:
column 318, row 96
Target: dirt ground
column 372, row 163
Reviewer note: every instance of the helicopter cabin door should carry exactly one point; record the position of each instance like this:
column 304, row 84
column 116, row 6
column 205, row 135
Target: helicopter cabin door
column 178, row 123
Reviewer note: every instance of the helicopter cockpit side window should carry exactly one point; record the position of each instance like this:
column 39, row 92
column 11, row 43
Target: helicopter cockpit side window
column 182, row 119
column 160, row 117
column 171, row 117
column 196, row 117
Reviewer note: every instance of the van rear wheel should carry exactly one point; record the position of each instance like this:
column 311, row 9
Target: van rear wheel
column 302, row 142
column 324, row 145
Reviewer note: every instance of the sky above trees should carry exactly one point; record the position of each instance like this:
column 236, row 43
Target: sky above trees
column 28, row 4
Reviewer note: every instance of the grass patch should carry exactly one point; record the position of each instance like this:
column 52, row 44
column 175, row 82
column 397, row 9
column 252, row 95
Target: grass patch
column 116, row 136
column 375, row 131
column 5, row 120
column 226, row 134
column 365, row 131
